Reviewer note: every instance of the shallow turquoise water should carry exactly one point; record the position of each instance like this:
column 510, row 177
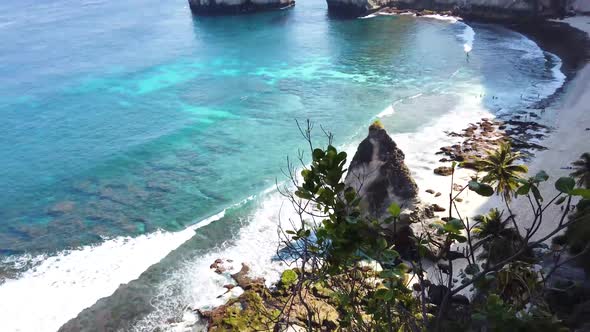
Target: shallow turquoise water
column 121, row 118
column 141, row 117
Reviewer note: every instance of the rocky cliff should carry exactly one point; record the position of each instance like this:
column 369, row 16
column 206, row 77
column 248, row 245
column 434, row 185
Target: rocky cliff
column 379, row 175
column 482, row 9
column 212, row 7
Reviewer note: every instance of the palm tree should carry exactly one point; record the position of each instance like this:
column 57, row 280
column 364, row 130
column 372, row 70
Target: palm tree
column 501, row 170
column 490, row 224
column 582, row 170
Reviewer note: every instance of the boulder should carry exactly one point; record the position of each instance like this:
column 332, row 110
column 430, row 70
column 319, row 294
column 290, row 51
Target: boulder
column 379, row 175
column 245, row 281
column 443, row 170
column 438, row 208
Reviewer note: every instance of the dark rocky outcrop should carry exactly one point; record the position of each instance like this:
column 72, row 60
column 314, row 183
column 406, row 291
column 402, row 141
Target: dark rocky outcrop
column 219, row 7
column 378, row 174
column 513, row 10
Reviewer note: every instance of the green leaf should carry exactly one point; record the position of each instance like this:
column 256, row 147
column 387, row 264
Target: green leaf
column 524, row 189
column 481, row 188
column 459, row 238
column 478, row 317
column 565, row 184
column 318, row 154
column 390, row 254
column 560, row 200
column 541, row 176
column 585, row 193
column 381, row 243
column 288, row 278
column 349, row 194
column 303, row 194
column 453, row 226
column 472, row 269
column 394, row 210
column 394, row 273
column 384, row 294
column 536, row 193
column 380, row 293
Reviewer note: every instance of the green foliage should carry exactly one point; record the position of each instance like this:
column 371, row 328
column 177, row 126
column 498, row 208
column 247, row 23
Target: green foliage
column 377, row 124
column 565, row 185
column 481, row 188
column 499, row 262
column 288, row 278
column 490, row 224
column 247, row 314
column 578, row 234
column 502, row 172
column 582, row 170
column 345, row 238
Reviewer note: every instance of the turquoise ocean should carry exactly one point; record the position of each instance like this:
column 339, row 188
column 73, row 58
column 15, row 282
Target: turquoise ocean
column 139, row 143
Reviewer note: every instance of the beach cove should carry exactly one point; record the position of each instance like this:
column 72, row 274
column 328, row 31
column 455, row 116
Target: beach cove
column 155, row 206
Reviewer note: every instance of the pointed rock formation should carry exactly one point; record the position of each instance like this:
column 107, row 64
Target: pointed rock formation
column 379, row 175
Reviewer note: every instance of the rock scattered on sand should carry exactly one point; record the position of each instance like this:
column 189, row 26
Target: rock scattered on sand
column 430, row 191
column 443, row 170
column 437, row 194
column 438, row 208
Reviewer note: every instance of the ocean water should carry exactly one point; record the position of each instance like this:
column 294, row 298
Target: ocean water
column 139, row 143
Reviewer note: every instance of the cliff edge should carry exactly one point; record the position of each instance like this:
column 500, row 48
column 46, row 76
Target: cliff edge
column 513, row 10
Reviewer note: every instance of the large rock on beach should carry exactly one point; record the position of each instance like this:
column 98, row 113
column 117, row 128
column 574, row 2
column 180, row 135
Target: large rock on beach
column 379, row 175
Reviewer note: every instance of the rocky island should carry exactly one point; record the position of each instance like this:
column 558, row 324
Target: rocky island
column 216, row 7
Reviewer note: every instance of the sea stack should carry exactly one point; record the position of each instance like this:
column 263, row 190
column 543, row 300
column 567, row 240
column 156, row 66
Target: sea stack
column 220, row 7
column 379, row 175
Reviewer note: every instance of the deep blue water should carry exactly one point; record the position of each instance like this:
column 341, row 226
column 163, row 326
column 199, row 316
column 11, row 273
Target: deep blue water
column 120, row 118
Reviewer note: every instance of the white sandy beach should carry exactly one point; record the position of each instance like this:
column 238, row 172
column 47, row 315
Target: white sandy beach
column 568, row 140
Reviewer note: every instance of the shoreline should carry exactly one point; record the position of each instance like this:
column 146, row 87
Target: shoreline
column 569, row 126
column 445, row 179
column 567, row 141
column 556, row 37
column 472, row 204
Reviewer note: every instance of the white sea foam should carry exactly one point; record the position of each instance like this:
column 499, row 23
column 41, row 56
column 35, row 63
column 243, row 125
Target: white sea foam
column 56, row 290
column 390, row 110
column 468, row 36
column 368, row 16
column 61, row 286
column 201, row 287
column 447, row 18
column 258, row 241
column 387, row 112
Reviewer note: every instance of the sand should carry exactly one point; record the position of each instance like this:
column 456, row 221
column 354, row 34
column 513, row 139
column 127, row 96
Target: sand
column 570, row 138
